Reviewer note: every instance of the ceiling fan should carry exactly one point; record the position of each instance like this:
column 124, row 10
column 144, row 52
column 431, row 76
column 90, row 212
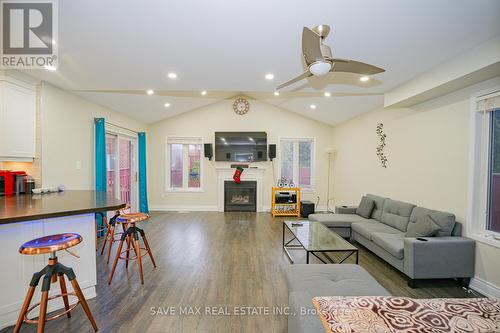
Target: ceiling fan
column 319, row 60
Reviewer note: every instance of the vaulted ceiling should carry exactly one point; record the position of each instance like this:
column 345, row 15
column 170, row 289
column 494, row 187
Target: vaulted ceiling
column 111, row 52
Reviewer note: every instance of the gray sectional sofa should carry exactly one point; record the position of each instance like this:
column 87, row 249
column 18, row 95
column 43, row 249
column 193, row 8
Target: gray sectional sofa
column 386, row 232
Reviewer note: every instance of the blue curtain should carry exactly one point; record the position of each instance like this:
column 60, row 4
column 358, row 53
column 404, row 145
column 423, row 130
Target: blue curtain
column 143, row 188
column 100, row 162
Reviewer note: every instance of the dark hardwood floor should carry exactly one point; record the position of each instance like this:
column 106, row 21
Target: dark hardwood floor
column 208, row 259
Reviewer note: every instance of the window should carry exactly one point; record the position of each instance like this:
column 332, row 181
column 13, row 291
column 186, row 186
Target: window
column 486, row 169
column 121, row 167
column 184, row 164
column 493, row 222
column 296, row 161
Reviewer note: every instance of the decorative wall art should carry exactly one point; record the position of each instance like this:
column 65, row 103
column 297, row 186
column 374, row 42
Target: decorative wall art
column 380, row 148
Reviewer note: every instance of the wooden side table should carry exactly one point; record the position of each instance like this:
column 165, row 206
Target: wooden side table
column 285, row 209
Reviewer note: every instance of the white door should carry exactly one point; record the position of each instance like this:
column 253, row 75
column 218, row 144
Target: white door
column 121, row 168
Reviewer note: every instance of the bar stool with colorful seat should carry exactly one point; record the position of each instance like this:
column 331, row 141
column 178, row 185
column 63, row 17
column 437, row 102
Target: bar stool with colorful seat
column 51, row 273
column 131, row 235
column 111, row 234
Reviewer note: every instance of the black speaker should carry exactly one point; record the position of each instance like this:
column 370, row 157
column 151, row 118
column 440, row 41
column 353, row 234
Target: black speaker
column 272, row 152
column 228, row 156
column 209, row 152
column 306, row 208
column 259, row 155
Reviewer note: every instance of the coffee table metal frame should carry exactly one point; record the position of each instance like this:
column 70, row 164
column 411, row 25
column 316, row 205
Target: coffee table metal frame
column 287, row 246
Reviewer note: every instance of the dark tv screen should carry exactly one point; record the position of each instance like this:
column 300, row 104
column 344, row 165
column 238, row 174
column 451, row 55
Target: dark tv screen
column 242, row 147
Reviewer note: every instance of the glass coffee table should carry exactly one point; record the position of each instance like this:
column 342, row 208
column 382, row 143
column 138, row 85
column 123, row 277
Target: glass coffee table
column 314, row 238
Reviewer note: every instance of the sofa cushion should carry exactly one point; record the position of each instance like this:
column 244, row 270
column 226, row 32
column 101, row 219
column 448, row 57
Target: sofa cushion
column 396, row 213
column 446, row 221
column 424, row 227
column 392, row 243
column 332, row 280
column 337, row 220
column 365, row 207
column 379, row 204
column 368, row 228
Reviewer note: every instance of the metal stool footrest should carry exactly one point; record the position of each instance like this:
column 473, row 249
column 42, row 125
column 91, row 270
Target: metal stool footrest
column 144, row 252
column 58, row 315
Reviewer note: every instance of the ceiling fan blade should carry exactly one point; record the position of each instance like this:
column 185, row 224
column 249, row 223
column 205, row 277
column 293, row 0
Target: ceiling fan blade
column 311, row 46
column 295, row 79
column 352, row 66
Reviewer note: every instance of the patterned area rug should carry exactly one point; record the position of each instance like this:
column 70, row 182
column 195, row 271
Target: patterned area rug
column 384, row 314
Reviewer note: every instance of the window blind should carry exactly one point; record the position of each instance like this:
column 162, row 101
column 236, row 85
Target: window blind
column 184, row 140
column 488, row 102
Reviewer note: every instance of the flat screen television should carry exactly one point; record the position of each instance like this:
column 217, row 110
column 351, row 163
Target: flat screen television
column 242, row 147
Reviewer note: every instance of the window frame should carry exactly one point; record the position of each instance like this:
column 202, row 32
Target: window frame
column 132, row 137
column 185, row 141
column 312, row 187
column 479, row 172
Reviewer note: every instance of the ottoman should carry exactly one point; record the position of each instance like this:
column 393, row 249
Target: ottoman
column 307, row 281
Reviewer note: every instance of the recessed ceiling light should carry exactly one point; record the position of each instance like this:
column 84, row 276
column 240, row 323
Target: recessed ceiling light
column 50, row 68
column 269, row 76
column 150, row 92
column 166, row 105
column 327, row 94
column 276, row 93
column 172, row 76
column 312, row 106
column 204, row 92
column 364, row 78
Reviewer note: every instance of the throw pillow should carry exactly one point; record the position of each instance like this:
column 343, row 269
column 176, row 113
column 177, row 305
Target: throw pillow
column 365, row 207
column 423, row 228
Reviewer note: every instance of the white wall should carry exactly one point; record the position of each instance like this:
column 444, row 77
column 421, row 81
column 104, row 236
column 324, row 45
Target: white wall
column 428, row 162
column 220, row 117
column 67, row 126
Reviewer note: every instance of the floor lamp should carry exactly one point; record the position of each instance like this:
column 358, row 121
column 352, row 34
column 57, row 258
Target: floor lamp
column 330, row 153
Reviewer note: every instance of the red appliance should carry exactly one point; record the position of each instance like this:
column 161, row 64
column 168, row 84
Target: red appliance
column 9, row 178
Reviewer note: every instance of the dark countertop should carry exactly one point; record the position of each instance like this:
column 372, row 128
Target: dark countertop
column 42, row 206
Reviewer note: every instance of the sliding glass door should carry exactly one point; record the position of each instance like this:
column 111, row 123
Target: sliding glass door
column 121, row 166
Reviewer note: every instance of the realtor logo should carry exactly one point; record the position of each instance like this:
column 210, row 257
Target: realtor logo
column 29, row 34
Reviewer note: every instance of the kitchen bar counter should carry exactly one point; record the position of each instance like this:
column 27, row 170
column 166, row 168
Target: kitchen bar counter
column 42, row 206
column 25, row 217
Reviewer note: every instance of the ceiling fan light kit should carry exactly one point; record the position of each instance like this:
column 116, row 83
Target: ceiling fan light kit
column 319, row 60
column 320, row 68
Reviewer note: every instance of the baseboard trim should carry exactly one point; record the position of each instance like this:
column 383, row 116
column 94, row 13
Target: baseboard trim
column 183, row 208
column 484, row 287
column 203, row 208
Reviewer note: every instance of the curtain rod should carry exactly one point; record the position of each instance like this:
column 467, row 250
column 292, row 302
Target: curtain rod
column 125, row 128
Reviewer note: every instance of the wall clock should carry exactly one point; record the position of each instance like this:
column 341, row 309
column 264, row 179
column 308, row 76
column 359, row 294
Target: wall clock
column 241, row 106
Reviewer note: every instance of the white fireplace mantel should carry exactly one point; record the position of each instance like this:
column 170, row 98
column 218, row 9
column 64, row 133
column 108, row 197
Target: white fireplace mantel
column 250, row 174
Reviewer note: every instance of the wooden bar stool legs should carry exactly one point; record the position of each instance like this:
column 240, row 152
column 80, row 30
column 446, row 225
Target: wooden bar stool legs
column 109, row 237
column 100, row 228
column 131, row 237
column 51, row 273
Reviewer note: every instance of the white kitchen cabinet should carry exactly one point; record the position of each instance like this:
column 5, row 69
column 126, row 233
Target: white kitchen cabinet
column 17, row 120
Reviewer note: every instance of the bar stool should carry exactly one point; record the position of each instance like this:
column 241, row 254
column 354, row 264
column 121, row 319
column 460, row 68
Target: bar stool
column 53, row 271
column 131, row 235
column 100, row 228
column 109, row 237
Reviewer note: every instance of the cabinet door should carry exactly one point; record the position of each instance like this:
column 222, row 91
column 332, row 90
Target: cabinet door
column 17, row 121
